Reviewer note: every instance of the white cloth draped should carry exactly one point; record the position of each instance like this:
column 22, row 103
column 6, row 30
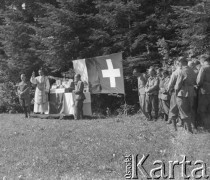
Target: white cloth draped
column 41, row 104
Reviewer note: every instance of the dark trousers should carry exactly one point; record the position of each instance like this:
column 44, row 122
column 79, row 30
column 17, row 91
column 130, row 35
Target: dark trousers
column 152, row 104
column 173, row 111
column 185, row 106
column 25, row 105
column 78, row 109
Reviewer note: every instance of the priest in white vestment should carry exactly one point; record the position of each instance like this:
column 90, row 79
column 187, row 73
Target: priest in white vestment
column 41, row 104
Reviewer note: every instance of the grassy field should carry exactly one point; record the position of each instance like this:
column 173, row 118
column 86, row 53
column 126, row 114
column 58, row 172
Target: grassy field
column 45, row 149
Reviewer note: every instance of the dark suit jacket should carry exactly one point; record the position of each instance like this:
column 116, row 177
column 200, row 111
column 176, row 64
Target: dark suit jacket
column 79, row 88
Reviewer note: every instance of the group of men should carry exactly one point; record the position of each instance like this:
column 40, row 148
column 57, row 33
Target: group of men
column 180, row 95
column 41, row 100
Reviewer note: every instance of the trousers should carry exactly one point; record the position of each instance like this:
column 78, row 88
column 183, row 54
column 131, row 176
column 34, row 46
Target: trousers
column 152, row 104
column 142, row 103
column 78, row 109
column 185, row 106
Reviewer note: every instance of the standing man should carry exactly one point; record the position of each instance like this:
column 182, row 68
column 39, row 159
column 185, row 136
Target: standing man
column 142, row 80
column 152, row 90
column 161, row 80
column 24, row 95
column 164, row 96
column 173, row 111
column 195, row 66
column 185, row 94
column 203, row 82
column 79, row 97
column 41, row 93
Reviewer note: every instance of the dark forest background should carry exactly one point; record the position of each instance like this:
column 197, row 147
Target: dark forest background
column 52, row 33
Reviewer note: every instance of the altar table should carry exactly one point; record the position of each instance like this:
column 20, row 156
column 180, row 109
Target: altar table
column 61, row 102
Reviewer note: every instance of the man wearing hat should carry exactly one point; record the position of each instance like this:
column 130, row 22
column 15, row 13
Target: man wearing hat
column 79, row 97
column 185, row 94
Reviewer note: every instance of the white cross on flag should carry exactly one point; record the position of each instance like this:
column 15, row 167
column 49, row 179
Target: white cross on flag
column 111, row 73
column 104, row 74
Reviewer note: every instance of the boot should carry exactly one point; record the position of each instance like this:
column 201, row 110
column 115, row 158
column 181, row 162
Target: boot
column 174, row 124
column 180, row 122
column 149, row 117
column 156, row 116
column 25, row 111
column 165, row 117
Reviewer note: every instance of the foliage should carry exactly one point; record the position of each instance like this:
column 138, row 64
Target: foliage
column 52, row 33
column 194, row 28
column 8, row 98
column 126, row 109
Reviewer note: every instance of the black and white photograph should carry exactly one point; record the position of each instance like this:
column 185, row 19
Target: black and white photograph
column 104, row 89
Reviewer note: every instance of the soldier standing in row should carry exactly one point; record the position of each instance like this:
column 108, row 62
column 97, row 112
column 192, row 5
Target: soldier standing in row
column 185, row 94
column 160, row 105
column 164, row 96
column 173, row 111
column 151, row 89
column 203, row 82
column 142, row 80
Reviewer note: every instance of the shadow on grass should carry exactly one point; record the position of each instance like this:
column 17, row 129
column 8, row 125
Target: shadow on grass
column 67, row 117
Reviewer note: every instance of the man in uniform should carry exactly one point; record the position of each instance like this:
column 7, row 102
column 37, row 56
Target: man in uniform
column 164, row 96
column 152, row 90
column 79, row 97
column 24, row 95
column 203, row 82
column 173, row 111
column 185, row 94
column 161, row 79
column 195, row 65
column 142, row 80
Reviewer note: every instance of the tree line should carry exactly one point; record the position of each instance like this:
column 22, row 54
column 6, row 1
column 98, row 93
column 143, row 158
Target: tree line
column 52, row 33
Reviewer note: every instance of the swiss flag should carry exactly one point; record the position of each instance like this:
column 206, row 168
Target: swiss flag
column 104, row 74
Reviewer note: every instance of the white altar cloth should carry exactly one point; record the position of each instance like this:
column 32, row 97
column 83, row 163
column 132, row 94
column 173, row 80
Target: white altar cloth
column 68, row 102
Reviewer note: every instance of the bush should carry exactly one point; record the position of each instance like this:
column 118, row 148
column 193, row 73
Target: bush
column 100, row 103
column 126, row 109
column 9, row 101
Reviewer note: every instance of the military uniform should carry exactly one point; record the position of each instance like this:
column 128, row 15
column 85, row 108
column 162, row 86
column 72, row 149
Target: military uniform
column 203, row 82
column 185, row 94
column 142, row 80
column 164, row 96
column 195, row 105
column 24, row 97
column 79, row 98
column 152, row 90
column 173, row 110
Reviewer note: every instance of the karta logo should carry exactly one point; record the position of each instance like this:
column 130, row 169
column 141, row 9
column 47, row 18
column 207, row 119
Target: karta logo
column 136, row 169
